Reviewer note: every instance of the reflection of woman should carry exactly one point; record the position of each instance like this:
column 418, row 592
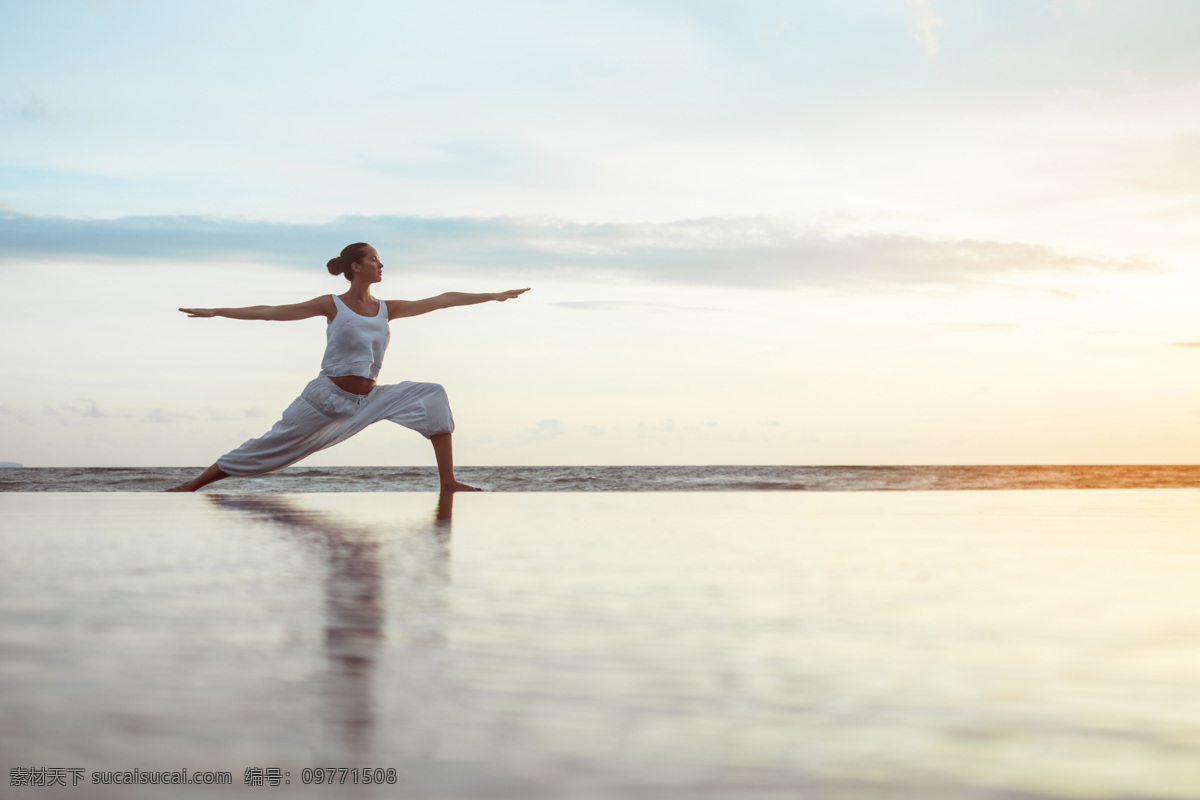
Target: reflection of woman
column 344, row 398
column 356, row 617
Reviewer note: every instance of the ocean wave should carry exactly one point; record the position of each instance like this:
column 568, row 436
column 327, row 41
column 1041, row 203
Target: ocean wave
column 788, row 478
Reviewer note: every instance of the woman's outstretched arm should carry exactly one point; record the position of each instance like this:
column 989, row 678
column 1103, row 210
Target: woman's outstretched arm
column 411, row 308
column 317, row 307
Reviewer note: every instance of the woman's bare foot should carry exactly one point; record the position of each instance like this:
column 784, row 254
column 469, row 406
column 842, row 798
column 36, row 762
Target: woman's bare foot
column 210, row 475
column 443, row 450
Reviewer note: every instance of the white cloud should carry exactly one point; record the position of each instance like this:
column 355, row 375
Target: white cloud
column 926, row 25
column 647, row 429
column 627, row 305
column 756, row 252
column 81, row 406
column 544, row 429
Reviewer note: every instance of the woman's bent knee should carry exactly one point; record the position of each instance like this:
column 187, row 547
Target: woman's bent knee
column 436, row 417
column 437, row 409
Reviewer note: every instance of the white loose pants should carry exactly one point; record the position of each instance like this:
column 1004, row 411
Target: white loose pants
column 325, row 414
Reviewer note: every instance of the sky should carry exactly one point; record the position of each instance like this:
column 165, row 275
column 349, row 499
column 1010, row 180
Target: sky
column 756, row 232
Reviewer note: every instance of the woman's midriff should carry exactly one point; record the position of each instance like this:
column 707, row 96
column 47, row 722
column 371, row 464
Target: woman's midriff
column 354, row 384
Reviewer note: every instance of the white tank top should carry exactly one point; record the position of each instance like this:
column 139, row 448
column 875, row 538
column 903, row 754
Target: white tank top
column 354, row 344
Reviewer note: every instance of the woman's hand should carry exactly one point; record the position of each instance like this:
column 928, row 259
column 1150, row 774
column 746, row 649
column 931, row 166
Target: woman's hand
column 199, row 312
column 511, row 294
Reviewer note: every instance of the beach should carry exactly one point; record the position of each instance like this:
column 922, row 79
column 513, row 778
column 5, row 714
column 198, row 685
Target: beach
column 970, row 644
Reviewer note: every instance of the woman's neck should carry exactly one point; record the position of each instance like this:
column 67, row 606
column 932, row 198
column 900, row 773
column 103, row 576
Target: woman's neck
column 359, row 293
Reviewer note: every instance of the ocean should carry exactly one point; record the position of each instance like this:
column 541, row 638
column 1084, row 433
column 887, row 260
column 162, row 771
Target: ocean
column 620, row 478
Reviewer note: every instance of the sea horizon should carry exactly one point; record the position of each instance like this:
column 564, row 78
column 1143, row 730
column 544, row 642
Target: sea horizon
column 615, row 478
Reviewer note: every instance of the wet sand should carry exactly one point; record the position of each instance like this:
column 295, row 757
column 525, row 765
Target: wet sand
column 743, row 645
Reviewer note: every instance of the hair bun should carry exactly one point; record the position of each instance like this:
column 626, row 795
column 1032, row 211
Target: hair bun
column 351, row 254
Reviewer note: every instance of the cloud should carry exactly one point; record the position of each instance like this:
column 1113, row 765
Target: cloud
column 81, row 408
column 165, row 417
column 980, row 325
column 1186, row 344
column 926, row 25
column 647, row 429
column 30, row 108
column 544, row 429
column 720, row 251
column 34, row 109
column 630, row 305
column 84, row 407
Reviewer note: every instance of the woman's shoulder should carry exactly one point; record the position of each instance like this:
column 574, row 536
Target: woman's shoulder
column 325, row 305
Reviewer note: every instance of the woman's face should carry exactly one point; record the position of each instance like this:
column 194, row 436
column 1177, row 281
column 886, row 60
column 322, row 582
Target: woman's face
column 370, row 267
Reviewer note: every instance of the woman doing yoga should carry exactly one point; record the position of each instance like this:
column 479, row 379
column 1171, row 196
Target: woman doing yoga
column 344, row 398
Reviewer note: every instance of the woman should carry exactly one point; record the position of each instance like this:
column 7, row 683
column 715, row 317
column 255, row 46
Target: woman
column 344, row 398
